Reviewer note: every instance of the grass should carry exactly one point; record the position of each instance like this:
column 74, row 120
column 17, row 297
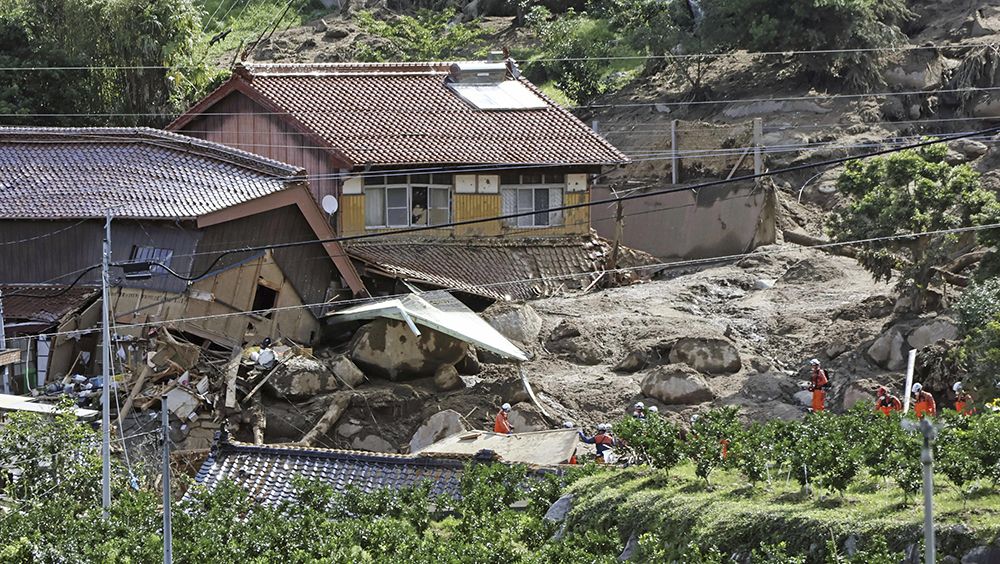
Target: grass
column 246, row 20
column 736, row 518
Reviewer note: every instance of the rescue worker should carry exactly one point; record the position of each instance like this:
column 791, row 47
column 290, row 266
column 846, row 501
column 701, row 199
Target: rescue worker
column 886, row 402
column 817, row 385
column 653, row 410
column 639, row 410
column 502, row 422
column 569, row 425
column 923, row 402
column 603, row 441
column 963, row 400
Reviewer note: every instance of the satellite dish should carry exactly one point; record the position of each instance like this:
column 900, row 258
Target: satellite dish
column 330, row 204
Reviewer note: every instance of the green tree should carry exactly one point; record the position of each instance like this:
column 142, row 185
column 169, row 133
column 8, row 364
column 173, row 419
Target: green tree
column 911, row 191
column 707, row 437
column 654, row 440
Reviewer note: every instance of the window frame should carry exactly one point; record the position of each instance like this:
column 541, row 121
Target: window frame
column 146, row 253
column 533, row 187
column 433, row 184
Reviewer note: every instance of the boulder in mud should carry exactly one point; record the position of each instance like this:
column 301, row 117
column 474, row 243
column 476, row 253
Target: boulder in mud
column 302, row 377
column 633, row 362
column 803, row 397
column 526, row 417
column 676, row 384
column 372, row 443
column 939, row 329
column 965, row 150
column 811, row 270
column 446, row 378
column 517, row 322
column 887, row 350
column 708, row 355
column 438, row 426
column 346, row 371
column 388, row 348
column 767, row 387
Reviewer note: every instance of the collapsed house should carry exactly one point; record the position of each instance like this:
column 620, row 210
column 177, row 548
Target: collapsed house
column 177, row 204
column 414, row 145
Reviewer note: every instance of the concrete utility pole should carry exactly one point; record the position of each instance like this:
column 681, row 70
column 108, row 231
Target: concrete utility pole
column 3, row 346
column 106, row 370
column 168, row 541
column 929, row 431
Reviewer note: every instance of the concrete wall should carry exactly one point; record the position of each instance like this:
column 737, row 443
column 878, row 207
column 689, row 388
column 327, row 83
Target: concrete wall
column 716, row 221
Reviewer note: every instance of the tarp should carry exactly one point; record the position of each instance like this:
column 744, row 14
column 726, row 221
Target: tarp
column 540, row 448
column 23, row 403
column 441, row 312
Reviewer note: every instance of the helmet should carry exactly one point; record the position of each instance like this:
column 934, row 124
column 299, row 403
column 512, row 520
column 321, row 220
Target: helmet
column 814, row 362
column 881, row 391
column 602, row 427
column 957, row 386
column 568, row 424
column 654, row 409
column 694, row 418
column 916, row 388
column 640, row 405
column 505, row 407
column 607, row 426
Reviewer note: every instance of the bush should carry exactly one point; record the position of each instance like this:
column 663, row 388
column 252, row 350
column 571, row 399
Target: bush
column 707, row 437
column 427, row 36
column 654, row 441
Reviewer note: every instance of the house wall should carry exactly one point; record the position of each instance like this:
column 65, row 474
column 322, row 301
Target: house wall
column 238, row 121
column 714, row 221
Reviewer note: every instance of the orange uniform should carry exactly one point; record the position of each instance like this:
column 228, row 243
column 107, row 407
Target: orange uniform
column 818, row 387
column 888, row 403
column 725, row 448
column 502, row 423
column 924, row 403
column 963, row 403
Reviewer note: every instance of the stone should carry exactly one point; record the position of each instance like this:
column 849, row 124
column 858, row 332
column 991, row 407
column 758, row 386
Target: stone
column 335, row 33
column 982, row 555
column 469, row 365
column 784, row 411
column 676, row 384
column 438, row 426
column 525, row 417
column 766, row 387
column 887, row 350
column 968, row 148
column 558, row 511
column 835, row 349
column 346, row 371
column 388, row 348
column 803, row 397
column 348, row 429
column 446, row 378
column 301, row 377
column 857, row 392
column 631, row 549
column 633, row 362
column 565, row 330
column 764, row 283
column 707, row 355
column 517, row 322
column 319, row 26
column 938, row 329
column 372, row 443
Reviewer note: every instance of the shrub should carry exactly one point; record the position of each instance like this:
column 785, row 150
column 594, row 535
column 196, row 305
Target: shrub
column 428, row 36
column 654, row 441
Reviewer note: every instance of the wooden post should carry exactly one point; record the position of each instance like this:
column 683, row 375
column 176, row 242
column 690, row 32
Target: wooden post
column 619, row 232
column 674, row 157
column 758, row 159
column 3, row 345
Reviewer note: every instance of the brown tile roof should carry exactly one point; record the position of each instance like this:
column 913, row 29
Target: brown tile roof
column 20, row 304
column 50, row 173
column 404, row 114
column 496, row 268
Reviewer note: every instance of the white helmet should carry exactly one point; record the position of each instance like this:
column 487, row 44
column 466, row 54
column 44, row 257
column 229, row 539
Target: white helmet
column 505, row 407
column 654, row 409
column 640, row 405
column 814, row 362
column 568, row 424
column 916, row 388
column 694, row 418
column 957, row 386
column 607, row 426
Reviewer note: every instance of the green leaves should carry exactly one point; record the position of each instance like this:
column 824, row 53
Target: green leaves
column 428, row 36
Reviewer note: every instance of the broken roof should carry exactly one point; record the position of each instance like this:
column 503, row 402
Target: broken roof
column 266, row 471
column 439, row 311
column 538, row 448
column 411, row 113
column 55, row 173
column 23, row 313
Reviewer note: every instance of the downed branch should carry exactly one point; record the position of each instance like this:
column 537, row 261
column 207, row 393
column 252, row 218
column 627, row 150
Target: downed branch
column 338, row 405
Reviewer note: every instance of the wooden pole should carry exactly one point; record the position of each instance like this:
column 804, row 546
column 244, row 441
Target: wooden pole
column 758, row 158
column 674, row 157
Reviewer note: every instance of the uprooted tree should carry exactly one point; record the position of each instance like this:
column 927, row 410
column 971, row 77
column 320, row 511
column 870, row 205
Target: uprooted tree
column 917, row 192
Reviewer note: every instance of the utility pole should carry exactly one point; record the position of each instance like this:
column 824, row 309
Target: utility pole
column 168, row 541
column 929, row 432
column 106, row 370
column 3, row 346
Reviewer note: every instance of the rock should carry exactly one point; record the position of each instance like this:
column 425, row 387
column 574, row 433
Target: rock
column 811, row 270
column 372, row 443
column 633, row 362
column 887, row 350
column 517, row 322
column 446, row 378
column 706, row 355
column 469, row 365
column 949, row 559
column 968, row 148
column 804, row 397
column 784, row 411
column 565, row 330
column 525, row 417
column 760, row 364
column 630, row 550
column 982, row 555
column 766, row 387
column 835, row 349
column 348, row 429
column 319, row 26
column 438, row 426
column 938, row 329
column 301, row 377
column 346, row 371
column 388, row 348
column 861, row 391
column 335, row 33
column 560, row 509
column 676, row 384
column 764, row 283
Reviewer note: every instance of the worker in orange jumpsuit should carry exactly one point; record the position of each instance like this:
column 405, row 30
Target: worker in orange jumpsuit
column 886, row 402
column 963, row 400
column 817, row 385
column 502, row 422
column 923, row 402
column 603, row 441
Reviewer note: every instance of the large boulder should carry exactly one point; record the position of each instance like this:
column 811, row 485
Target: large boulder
column 676, row 384
column 558, row 511
column 372, row 443
column 302, row 377
column 982, row 555
column 803, row 397
column 708, row 355
column 858, row 392
column 388, row 348
column 517, row 322
column 438, row 426
column 887, row 350
column 767, row 387
column 346, row 371
column 526, row 417
column 965, row 150
column 446, row 378
column 935, row 330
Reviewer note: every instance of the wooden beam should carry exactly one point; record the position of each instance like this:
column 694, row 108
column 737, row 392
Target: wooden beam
column 338, row 405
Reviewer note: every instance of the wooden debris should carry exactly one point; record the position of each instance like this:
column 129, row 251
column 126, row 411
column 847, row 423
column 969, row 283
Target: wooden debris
column 338, row 405
column 259, row 420
column 231, row 372
column 137, row 387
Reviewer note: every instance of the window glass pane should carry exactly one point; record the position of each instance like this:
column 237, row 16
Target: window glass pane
column 525, row 200
column 440, row 206
column 442, row 179
column 374, row 179
column 418, row 206
column 555, row 201
column 533, row 178
column 541, row 203
column 439, row 198
column 397, row 197
column 510, row 178
column 508, row 204
column 420, row 179
column 374, row 207
column 397, row 217
column 555, row 178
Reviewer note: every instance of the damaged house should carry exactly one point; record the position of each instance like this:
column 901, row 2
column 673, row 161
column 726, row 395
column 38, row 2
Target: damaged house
column 414, row 145
column 177, row 204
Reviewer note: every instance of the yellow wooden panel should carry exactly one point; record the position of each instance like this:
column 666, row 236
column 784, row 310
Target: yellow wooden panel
column 352, row 214
column 476, row 206
column 576, row 220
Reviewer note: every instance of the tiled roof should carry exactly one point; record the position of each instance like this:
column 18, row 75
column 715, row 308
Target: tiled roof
column 266, row 471
column 496, row 268
column 50, row 173
column 43, row 311
column 404, row 114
